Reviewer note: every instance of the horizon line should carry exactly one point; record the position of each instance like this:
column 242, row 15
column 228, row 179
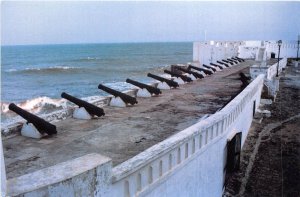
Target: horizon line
column 138, row 42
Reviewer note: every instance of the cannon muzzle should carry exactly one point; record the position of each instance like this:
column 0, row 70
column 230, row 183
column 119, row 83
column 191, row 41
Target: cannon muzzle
column 209, row 67
column 197, row 75
column 223, row 63
column 126, row 98
column 184, row 78
column 90, row 108
column 170, row 83
column 215, row 65
column 207, row 72
column 151, row 89
column 40, row 124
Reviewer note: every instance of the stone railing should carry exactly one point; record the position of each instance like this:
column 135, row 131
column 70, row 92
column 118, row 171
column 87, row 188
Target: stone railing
column 270, row 72
column 190, row 163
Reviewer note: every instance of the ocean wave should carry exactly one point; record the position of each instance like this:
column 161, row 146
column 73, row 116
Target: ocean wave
column 37, row 105
column 86, row 59
column 46, row 69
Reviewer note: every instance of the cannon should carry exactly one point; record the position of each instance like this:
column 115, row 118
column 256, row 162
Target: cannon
column 197, row 75
column 207, row 72
column 161, row 79
column 228, row 62
column 151, row 89
column 126, row 98
column 242, row 75
column 245, row 80
column 184, row 78
column 240, row 58
column 223, row 63
column 209, row 67
column 215, row 65
column 40, row 124
column 234, row 61
column 90, row 108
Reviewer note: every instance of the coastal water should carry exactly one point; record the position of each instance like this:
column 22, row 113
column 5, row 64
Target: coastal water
column 35, row 76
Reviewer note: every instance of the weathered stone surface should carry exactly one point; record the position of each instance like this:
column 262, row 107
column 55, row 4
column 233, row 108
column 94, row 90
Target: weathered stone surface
column 114, row 135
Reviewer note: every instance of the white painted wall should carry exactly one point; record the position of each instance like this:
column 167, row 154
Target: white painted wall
column 210, row 52
column 270, row 72
column 88, row 175
column 3, row 174
column 249, row 49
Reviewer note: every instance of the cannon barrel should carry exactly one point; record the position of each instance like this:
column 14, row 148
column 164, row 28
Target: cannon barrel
column 207, row 72
column 227, row 62
column 242, row 75
column 197, row 75
column 184, row 78
column 240, row 58
column 223, row 63
column 231, row 60
column 40, row 124
column 126, row 98
column 216, row 65
column 236, row 59
column 90, row 108
column 151, row 89
column 170, row 83
column 209, row 67
column 244, row 79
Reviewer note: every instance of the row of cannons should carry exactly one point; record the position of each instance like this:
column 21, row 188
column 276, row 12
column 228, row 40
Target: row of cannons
column 37, row 127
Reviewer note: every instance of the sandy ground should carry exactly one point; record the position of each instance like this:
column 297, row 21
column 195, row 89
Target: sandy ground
column 124, row 132
column 270, row 161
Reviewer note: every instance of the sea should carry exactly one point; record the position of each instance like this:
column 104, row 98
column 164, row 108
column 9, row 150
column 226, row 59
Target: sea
column 34, row 76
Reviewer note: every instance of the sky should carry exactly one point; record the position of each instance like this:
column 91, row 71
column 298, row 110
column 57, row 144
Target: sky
column 60, row 22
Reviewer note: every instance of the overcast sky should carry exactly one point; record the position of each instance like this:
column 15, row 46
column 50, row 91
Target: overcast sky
column 98, row 22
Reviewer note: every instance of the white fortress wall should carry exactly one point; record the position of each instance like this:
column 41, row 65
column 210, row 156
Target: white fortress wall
column 249, row 49
column 269, row 71
column 190, row 163
column 212, row 51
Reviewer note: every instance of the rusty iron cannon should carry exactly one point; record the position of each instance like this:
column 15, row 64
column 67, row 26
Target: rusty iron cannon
column 150, row 89
column 209, row 67
column 40, row 124
column 215, row 65
column 183, row 77
column 90, row 108
column 126, row 98
column 207, row 72
column 170, row 83
column 228, row 62
column 197, row 75
column 223, row 63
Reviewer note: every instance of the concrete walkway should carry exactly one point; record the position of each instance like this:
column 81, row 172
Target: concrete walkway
column 124, row 132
